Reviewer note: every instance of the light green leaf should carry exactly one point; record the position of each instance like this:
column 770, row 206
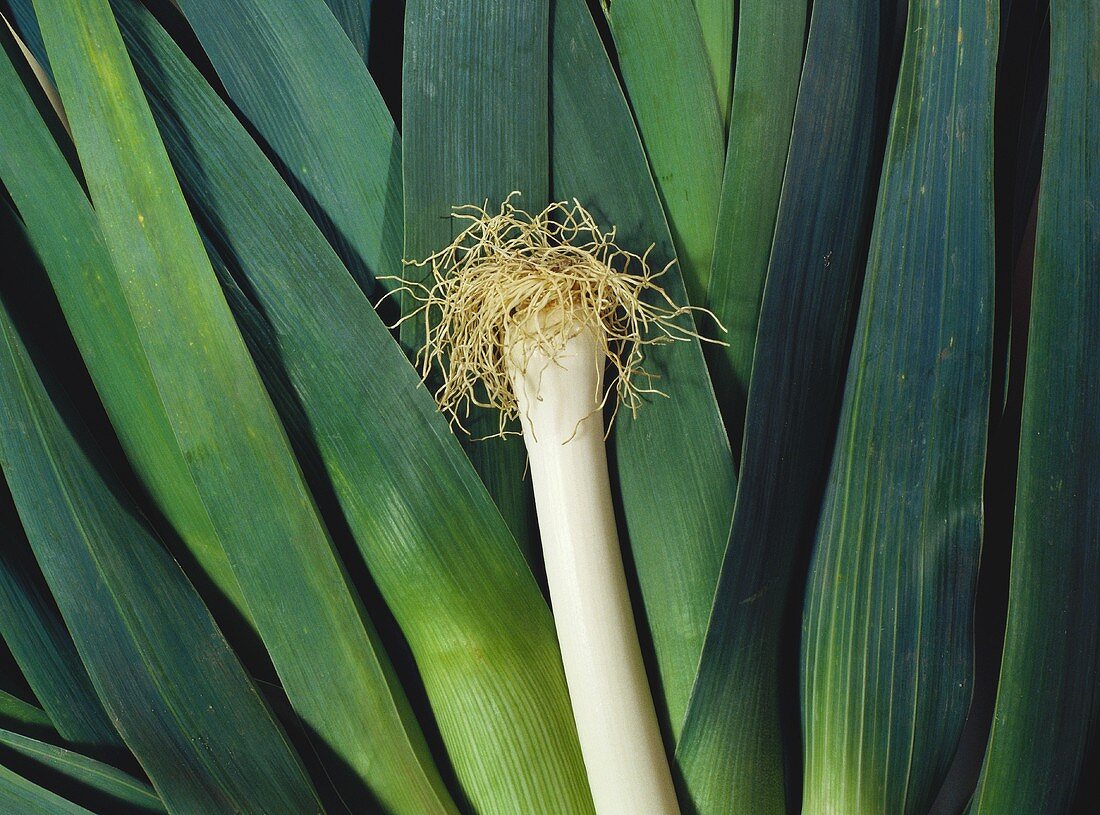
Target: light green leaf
column 424, row 523
column 669, row 82
column 235, row 449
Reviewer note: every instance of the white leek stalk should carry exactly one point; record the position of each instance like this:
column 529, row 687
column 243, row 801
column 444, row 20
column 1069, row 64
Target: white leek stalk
column 522, row 314
column 559, row 407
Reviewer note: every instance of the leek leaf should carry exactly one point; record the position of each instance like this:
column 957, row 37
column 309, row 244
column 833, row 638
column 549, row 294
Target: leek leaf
column 718, row 20
column 40, row 643
column 426, row 527
column 25, row 718
column 354, row 18
column 668, row 80
column 63, row 232
column 176, row 692
column 673, row 464
column 769, row 62
column 82, row 779
column 731, row 750
column 1048, row 692
column 298, row 80
column 887, row 651
column 17, row 794
column 237, row 454
column 474, row 125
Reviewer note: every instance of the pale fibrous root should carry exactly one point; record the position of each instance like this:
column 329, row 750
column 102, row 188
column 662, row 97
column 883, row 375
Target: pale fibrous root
column 538, row 279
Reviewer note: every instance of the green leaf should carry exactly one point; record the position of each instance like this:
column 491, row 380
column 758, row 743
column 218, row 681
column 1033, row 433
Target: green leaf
column 668, row 79
column 474, row 124
column 1047, row 697
column 731, row 750
column 718, row 20
column 298, row 80
column 236, row 452
column 769, row 63
column 17, row 794
column 176, row 692
column 423, row 521
column 25, row 718
column 673, row 462
column 62, row 229
column 887, row 659
column 354, row 18
column 37, row 637
column 83, row 779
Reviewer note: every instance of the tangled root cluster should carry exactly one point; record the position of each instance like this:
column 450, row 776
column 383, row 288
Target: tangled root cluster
column 505, row 270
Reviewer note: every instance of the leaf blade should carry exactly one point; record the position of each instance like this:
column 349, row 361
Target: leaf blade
column 889, row 630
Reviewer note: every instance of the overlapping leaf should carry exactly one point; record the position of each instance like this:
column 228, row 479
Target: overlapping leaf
column 731, row 750
column 668, row 78
column 223, row 426
column 1049, row 688
column 673, row 463
column 173, row 688
column 769, row 63
column 888, row 642
column 424, row 523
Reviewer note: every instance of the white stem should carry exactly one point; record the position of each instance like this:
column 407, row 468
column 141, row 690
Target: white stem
column 620, row 741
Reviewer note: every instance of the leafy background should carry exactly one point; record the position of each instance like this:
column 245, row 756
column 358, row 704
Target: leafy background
column 533, row 89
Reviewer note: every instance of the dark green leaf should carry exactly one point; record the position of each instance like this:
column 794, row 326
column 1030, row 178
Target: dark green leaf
column 888, row 642
column 82, row 779
column 37, row 637
column 1048, row 695
column 474, row 124
column 295, row 76
column 17, row 794
column 731, row 751
column 173, row 688
column 226, row 429
column 769, row 63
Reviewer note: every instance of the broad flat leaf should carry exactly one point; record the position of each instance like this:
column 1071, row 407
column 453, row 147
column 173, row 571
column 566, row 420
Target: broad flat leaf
column 37, row 637
column 1047, row 697
column 770, row 35
column 298, row 80
column 887, row 652
column 673, row 463
column 718, row 20
column 62, row 229
column 668, row 79
column 176, row 692
column 474, row 125
column 744, row 699
column 237, row 454
column 83, row 779
column 423, row 521
column 17, row 794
